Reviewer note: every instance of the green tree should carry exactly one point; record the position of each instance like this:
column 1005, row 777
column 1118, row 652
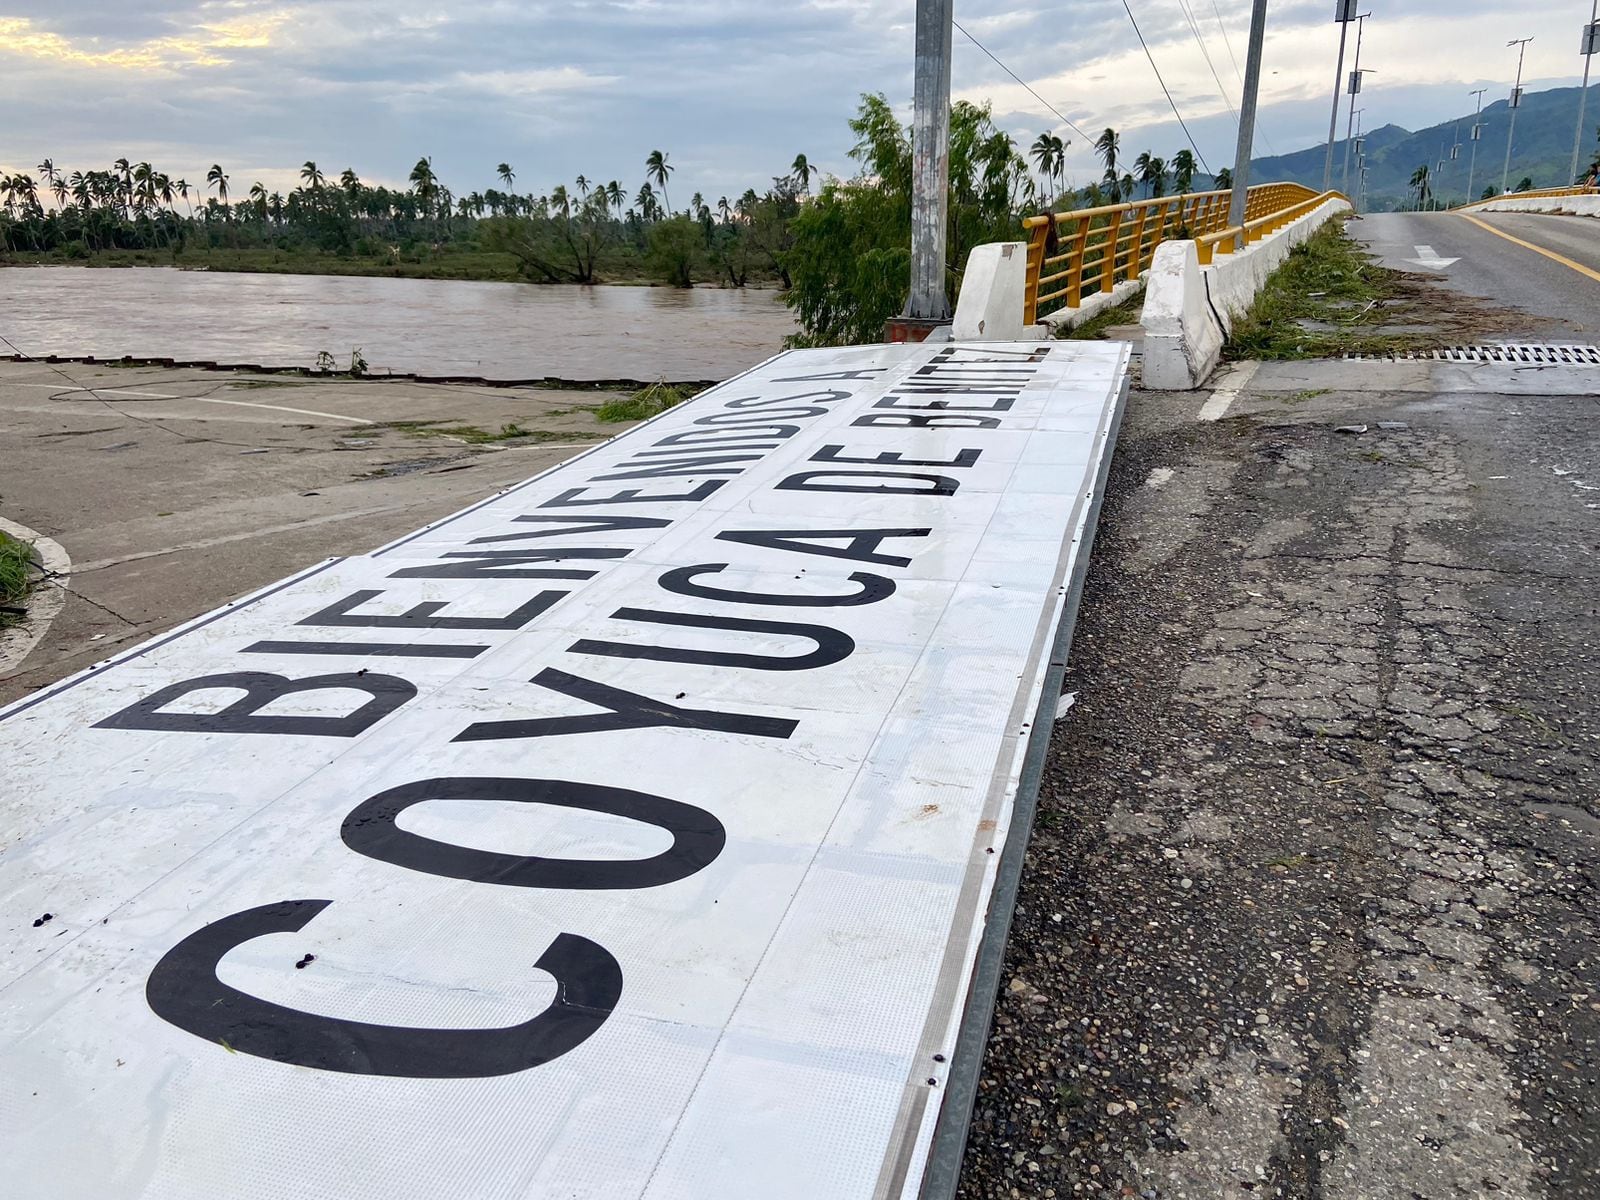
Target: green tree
column 801, row 172
column 851, row 255
column 675, row 251
column 1225, row 179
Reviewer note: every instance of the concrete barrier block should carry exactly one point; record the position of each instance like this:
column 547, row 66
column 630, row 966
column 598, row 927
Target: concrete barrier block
column 993, row 294
column 1182, row 338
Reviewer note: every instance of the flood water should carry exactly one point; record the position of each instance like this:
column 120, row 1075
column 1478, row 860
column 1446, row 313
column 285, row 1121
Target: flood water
column 422, row 326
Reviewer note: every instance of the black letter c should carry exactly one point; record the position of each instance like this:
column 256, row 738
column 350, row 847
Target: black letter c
column 184, row 990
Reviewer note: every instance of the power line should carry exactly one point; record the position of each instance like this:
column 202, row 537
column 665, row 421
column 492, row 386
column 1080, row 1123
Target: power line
column 1022, row 81
column 1223, row 29
column 1164, row 90
column 1194, row 28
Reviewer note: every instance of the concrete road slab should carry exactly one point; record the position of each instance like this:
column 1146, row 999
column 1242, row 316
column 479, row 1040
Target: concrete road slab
column 175, row 491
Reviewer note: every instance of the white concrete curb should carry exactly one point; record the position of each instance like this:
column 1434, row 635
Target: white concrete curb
column 1096, row 302
column 1189, row 309
column 1579, row 206
column 17, row 642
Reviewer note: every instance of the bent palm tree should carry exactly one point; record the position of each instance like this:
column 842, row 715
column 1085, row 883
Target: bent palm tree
column 802, row 171
column 507, row 175
column 656, row 170
column 216, row 180
column 1183, row 169
column 1106, row 147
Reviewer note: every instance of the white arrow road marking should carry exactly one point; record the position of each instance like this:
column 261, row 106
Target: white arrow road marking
column 1427, row 258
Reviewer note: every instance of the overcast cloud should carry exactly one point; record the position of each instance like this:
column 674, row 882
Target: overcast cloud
column 731, row 89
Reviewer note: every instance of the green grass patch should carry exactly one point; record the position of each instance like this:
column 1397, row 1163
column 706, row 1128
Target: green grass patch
column 1329, row 281
column 1098, row 326
column 643, row 404
column 476, row 436
column 15, row 570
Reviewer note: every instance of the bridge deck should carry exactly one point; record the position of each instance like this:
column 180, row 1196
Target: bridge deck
column 631, row 833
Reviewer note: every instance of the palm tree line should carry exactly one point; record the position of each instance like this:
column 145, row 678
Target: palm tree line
column 135, row 206
column 1150, row 175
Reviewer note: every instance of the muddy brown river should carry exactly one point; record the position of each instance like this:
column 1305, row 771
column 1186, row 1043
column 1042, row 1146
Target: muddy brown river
column 423, row 326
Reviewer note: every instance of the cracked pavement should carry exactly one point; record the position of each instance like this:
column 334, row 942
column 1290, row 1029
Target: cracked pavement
column 1310, row 909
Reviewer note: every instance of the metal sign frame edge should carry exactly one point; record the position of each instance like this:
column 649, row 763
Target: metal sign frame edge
column 942, row 1171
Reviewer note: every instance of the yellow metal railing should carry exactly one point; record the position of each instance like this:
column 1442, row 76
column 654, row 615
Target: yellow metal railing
column 1579, row 190
column 1095, row 248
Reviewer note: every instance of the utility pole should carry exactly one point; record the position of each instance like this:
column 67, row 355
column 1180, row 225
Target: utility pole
column 1477, row 132
column 1247, row 118
column 1590, row 47
column 1344, row 13
column 930, row 162
column 1355, row 87
column 1516, row 103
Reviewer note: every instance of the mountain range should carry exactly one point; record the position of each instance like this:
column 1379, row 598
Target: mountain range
column 1543, row 152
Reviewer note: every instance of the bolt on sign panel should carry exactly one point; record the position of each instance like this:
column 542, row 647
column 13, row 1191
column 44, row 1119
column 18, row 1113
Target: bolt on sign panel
column 629, row 834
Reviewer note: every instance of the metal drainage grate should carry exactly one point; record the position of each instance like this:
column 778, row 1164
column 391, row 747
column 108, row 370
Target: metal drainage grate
column 1535, row 355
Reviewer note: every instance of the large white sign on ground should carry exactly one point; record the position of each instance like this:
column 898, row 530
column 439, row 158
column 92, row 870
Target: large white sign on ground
column 629, row 834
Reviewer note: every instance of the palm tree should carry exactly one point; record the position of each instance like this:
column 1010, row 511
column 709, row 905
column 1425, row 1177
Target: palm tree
column 656, row 170
column 725, row 210
column 802, row 171
column 1048, row 151
column 51, row 177
column 258, row 200
column 616, row 196
column 1225, row 179
column 646, row 201
column 1106, row 147
column 1419, row 184
column 583, row 186
column 313, row 177
column 1183, row 169
column 217, row 180
column 1154, row 177
column 560, row 201
column 122, row 168
column 1141, row 169
column 506, row 174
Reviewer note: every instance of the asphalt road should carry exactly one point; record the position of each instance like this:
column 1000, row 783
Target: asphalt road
column 1563, row 304
column 1312, row 907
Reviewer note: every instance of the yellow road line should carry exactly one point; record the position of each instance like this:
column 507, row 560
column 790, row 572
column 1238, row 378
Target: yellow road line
column 1562, row 259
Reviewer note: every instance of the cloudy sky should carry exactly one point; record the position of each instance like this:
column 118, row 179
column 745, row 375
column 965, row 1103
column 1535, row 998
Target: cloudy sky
column 730, row 89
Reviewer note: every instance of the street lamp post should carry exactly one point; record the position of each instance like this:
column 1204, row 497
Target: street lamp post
column 1477, row 133
column 1355, row 87
column 1590, row 47
column 1516, row 103
column 1344, row 13
column 1247, row 118
column 930, row 161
